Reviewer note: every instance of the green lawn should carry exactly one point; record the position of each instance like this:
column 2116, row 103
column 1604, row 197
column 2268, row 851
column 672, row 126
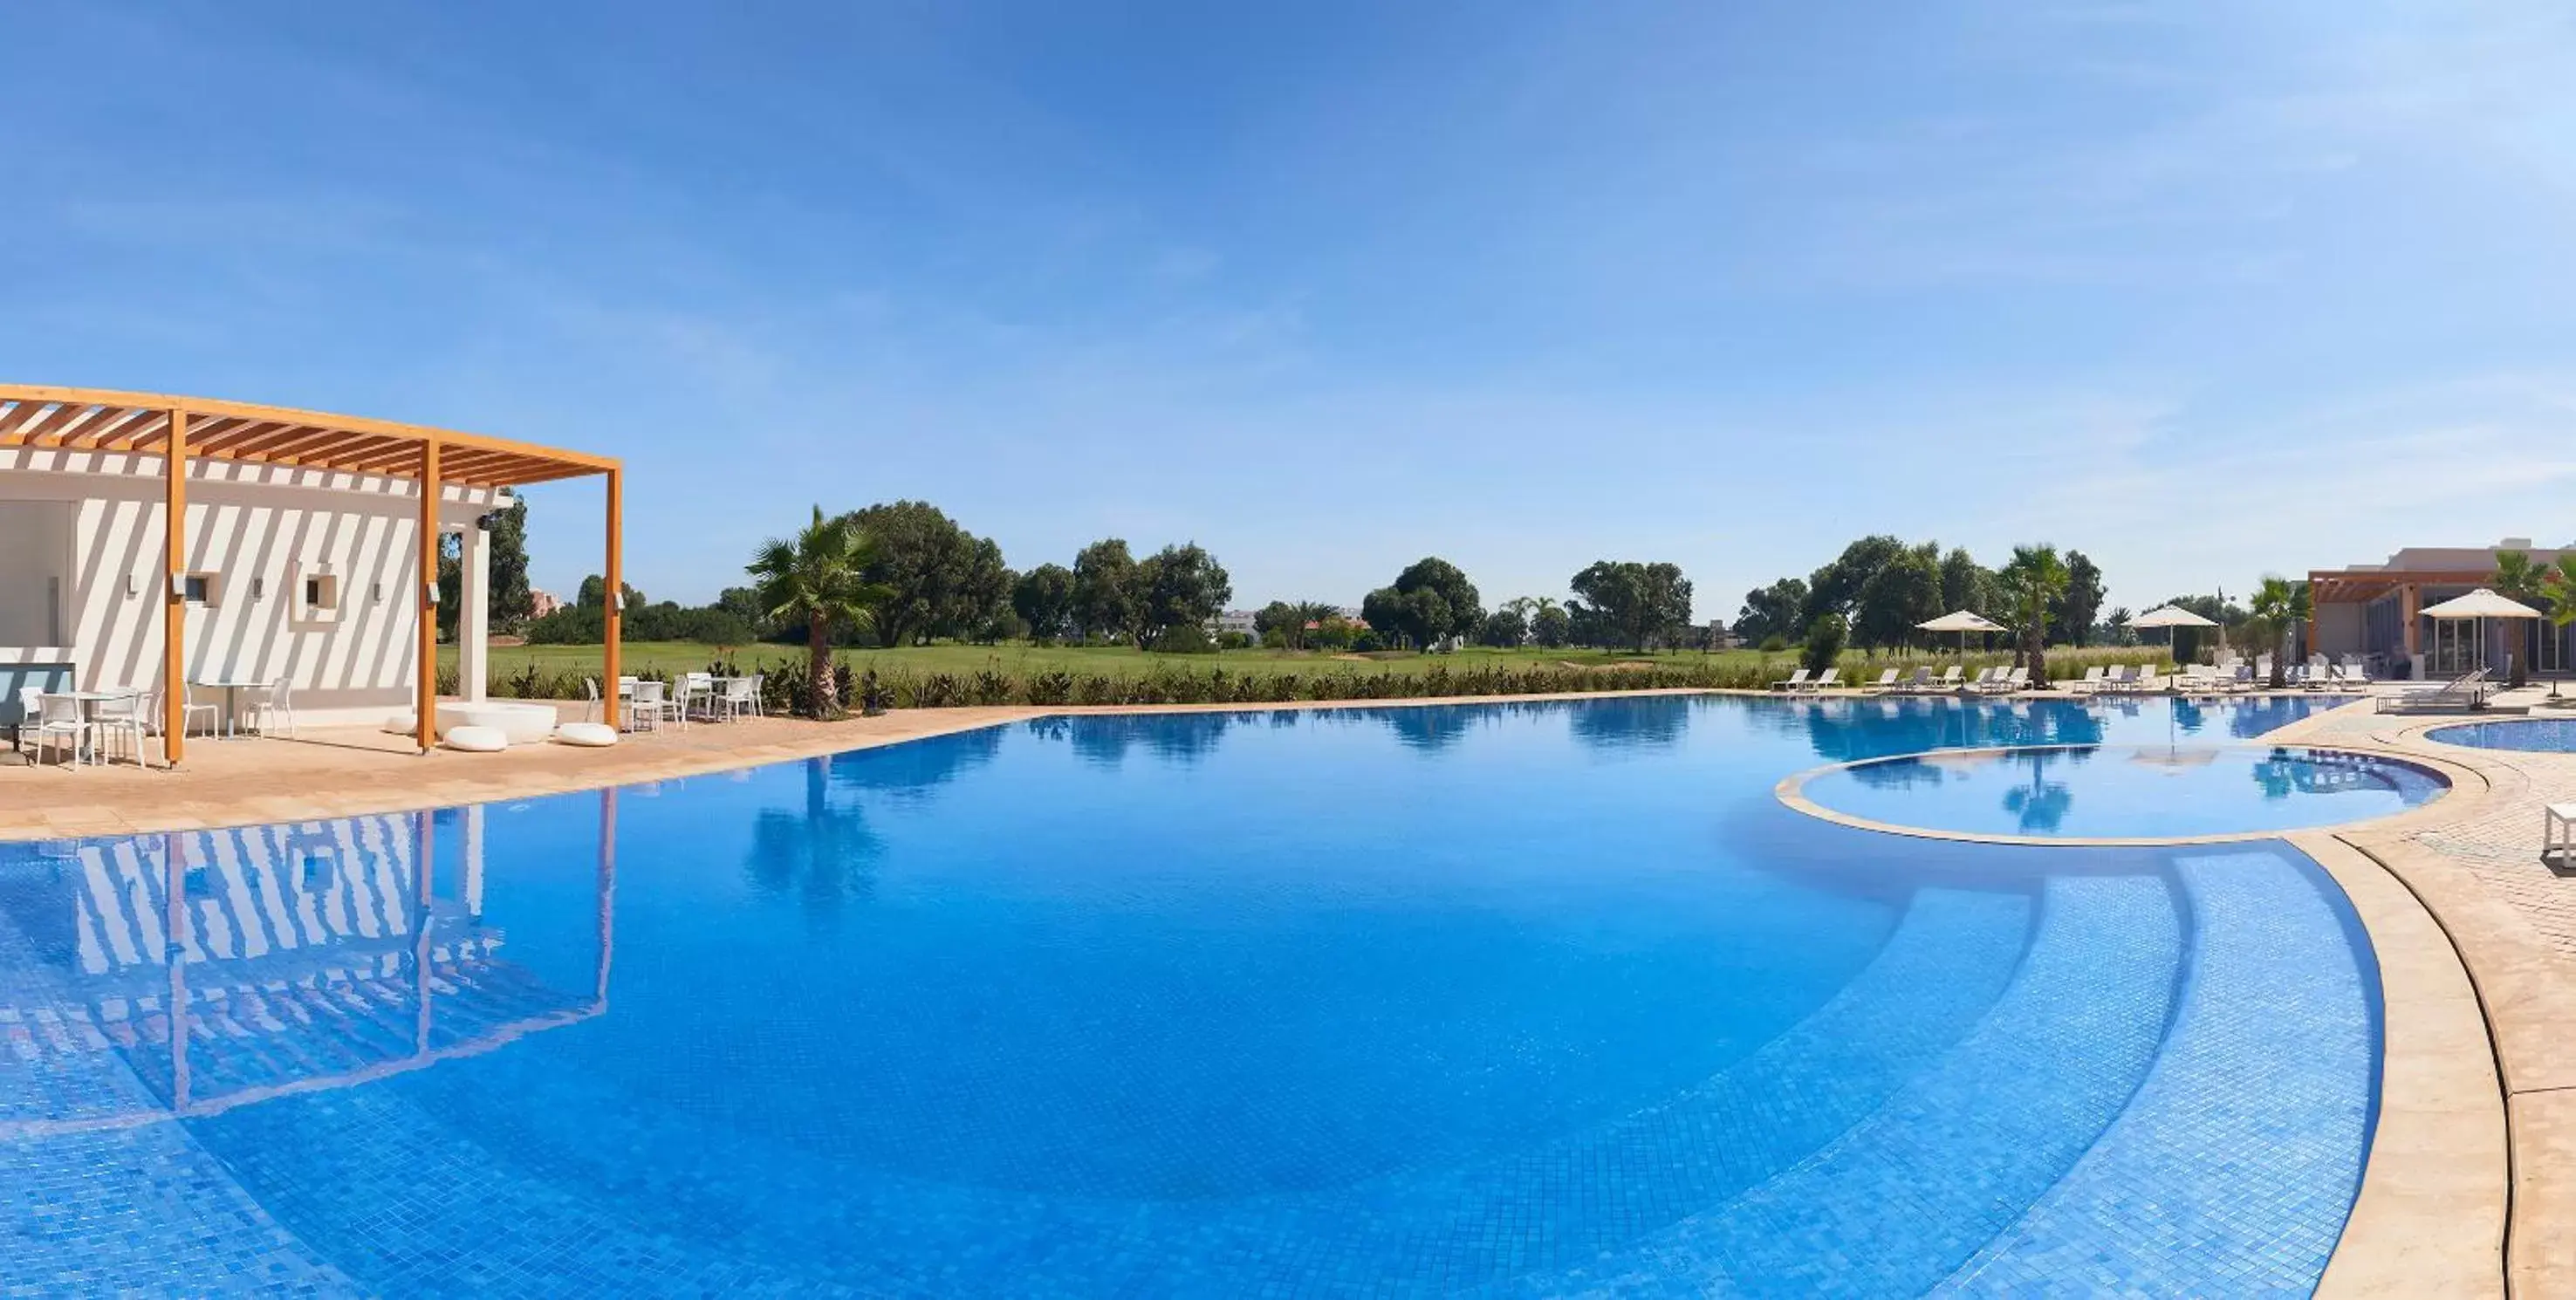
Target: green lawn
column 685, row 656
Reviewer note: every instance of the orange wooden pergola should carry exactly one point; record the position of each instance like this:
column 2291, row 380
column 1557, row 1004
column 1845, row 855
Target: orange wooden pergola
column 178, row 430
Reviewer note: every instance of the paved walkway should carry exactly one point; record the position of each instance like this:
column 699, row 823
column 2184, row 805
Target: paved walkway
column 2476, row 866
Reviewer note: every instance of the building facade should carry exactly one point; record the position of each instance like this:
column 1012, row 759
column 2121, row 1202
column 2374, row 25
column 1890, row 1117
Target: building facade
column 2376, row 611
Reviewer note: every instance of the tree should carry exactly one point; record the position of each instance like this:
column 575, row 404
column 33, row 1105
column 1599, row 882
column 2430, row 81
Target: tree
column 510, row 601
column 1824, row 646
column 744, row 603
column 1904, row 592
column 818, row 579
column 1965, row 584
column 593, row 592
column 927, row 562
column 1636, row 603
column 1835, row 588
column 2118, row 622
column 2082, row 601
column 1772, row 611
column 1551, row 626
column 2278, row 606
column 2517, row 578
column 1429, row 602
column 1043, row 598
column 1505, row 629
column 2031, row 586
column 2558, row 592
column 1177, row 586
column 981, row 610
column 1104, row 588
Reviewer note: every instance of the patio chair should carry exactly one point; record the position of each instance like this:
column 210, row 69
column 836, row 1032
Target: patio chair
column 2466, row 693
column 59, row 716
column 697, row 690
column 275, row 701
column 759, row 681
column 189, row 708
column 738, row 698
column 590, row 705
column 1792, row 682
column 122, row 715
column 651, row 704
column 29, row 705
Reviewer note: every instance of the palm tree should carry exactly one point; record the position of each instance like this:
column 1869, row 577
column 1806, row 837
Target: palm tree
column 2279, row 605
column 2558, row 597
column 818, row 578
column 2032, row 584
column 2520, row 579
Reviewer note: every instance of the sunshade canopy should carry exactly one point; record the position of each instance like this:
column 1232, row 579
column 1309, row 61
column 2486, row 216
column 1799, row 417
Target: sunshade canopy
column 2481, row 603
column 1961, row 621
column 2171, row 616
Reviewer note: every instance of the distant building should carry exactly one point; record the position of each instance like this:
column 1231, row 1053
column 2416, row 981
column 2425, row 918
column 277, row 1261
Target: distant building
column 2376, row 611
column 542, row 603
column 1237, row 620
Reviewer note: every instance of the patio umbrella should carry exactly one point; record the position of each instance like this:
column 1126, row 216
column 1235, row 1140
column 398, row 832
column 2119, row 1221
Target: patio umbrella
column 2169, row 618
column 2481, row 605
column 1962, row 622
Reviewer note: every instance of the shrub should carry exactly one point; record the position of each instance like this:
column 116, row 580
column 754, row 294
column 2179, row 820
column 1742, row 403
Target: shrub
column 1774, row 644
column 1824, row 648
column 1183, row 639
column 1233, row 641
column 1367, row 641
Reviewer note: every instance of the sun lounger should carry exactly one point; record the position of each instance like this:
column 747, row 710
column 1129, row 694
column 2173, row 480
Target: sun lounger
column 2091, row 682
column 2466, row 693
column 1985, row 678
column 1817, row 685
column 1792, row 682
column 1886, row 682
column 1949, row 679
column 1919, row 682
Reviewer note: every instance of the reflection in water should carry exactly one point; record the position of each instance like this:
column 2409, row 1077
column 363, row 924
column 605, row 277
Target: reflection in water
column 186, row 974
column 824, row 854
column 1103, row 740
column 1845, row 731
column 2039, row 805
column 1632, row 722
column 916, row 767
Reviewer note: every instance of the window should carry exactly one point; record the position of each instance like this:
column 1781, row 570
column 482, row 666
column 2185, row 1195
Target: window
column 198, row 588
column 317, row 596
column 35, row 572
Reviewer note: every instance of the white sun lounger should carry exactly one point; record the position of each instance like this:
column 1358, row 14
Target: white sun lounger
column 1886, row 682
column 1792, row 682
column 1831, row 678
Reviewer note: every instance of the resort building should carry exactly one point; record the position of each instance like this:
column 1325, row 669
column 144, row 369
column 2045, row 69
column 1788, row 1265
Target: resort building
column 301, row 571
column 2376, row 610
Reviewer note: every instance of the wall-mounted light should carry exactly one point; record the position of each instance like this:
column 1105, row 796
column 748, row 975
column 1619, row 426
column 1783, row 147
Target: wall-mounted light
column 178, row 586
column 133, row 584
column 258, row 587
column 431, row 590
column 375, row 593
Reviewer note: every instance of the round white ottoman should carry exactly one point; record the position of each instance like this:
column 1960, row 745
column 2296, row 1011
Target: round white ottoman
column 477, row 740
column 588, row 735
column 402, row 724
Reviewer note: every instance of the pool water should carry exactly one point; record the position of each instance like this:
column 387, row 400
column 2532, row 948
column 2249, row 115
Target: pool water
column 1504, row 999
column 2124, row 791
column 2543, row 735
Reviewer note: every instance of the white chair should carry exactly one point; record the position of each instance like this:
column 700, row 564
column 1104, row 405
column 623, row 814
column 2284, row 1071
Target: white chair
column 626, row 700
column 653, row 703
column 758, row 680
column 59, row 716
column 590, row 706
column 740, row 697
column 30, row 705
column 122, row 714
column 698, row 692
column 189, row 708
column 277, row 701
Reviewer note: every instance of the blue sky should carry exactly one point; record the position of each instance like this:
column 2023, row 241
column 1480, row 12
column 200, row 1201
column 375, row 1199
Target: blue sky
column 2203, row 290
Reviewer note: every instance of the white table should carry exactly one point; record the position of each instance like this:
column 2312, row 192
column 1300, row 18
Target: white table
column 232, row 701
column 89, row 702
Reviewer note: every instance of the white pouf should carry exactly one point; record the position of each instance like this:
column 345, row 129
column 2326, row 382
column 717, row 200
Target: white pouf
column 588, row 735
column 402, row 724
column 477, row 740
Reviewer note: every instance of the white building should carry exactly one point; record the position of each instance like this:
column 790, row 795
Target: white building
column 302, row 557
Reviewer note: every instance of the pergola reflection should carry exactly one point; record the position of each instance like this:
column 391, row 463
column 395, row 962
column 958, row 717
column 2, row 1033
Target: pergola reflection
column 181, row 976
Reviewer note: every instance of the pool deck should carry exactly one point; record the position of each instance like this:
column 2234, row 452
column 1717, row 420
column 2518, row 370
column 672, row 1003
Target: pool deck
column 2471, row 1181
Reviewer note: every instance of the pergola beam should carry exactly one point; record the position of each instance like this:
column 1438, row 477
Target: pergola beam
column 174, row 595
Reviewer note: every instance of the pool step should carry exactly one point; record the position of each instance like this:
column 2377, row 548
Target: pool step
column 1952, row 953
column 401, row 1203
column 2216, row 1179
column 1901, row 1199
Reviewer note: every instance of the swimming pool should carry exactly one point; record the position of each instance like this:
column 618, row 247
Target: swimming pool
column 2542, row 735
column 2123, row 791
column 1505, row 999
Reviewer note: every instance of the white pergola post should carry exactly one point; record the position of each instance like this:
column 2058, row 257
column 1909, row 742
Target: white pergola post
column 474, row 614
